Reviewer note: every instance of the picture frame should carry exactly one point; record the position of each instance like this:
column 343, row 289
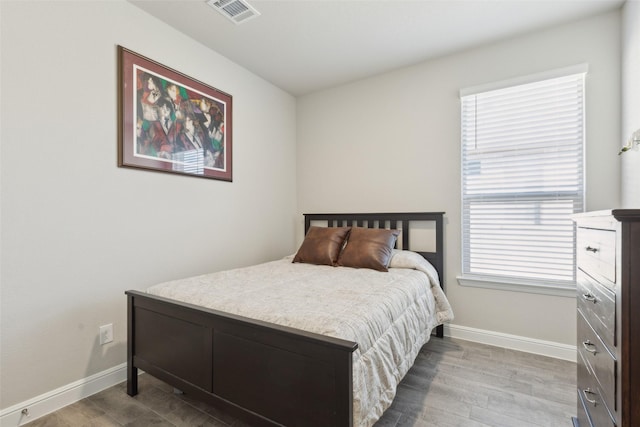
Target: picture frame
column 170, row 122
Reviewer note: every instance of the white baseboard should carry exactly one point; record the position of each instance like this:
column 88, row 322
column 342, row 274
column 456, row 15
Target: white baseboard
column 514, row 342
column 61, row 397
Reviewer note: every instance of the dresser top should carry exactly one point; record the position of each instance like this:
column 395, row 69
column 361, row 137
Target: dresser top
column 626, row 214
column 619, row 214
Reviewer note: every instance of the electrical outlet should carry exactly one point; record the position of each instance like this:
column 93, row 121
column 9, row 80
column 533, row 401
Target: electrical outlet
column 106, row 334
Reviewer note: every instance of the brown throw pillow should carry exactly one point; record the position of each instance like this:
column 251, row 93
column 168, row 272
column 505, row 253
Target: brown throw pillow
column 369, row 248
column 322, row 245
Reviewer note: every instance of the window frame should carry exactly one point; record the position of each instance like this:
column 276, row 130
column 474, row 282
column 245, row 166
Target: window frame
column 521, row 284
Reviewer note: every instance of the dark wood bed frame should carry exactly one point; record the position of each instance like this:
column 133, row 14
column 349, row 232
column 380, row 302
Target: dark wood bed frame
column 266, row 374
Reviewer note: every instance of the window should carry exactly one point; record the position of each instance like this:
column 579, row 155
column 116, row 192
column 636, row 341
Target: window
column 522, row 179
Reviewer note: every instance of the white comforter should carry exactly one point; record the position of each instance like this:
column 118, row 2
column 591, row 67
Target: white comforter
column 389, row 314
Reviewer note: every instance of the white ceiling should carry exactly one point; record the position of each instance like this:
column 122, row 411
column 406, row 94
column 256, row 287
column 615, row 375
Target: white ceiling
column 303, row 46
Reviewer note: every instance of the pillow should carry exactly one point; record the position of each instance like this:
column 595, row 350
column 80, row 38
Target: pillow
column 322, row 245
column 368, row 248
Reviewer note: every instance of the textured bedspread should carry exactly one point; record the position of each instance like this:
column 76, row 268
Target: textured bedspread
column 389, row 314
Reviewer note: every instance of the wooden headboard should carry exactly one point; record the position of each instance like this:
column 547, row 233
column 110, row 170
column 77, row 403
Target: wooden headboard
column 397, row 220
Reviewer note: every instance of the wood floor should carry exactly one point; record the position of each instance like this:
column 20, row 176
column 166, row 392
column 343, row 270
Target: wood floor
column 453, row 383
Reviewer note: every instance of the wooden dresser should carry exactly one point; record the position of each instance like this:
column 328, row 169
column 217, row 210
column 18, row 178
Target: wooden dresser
column 608, row 310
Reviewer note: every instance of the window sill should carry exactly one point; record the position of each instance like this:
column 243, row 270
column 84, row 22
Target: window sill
column 519, row 285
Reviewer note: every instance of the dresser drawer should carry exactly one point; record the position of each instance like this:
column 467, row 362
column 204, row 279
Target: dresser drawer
column 600, row 363
column 590, row 394
column 596, row 253
column 599, row 306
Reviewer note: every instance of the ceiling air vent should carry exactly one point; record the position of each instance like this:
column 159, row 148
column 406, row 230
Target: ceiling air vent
column 238, row 11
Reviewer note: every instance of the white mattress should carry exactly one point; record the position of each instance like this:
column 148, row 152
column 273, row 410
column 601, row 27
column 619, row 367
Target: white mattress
column 389, row 314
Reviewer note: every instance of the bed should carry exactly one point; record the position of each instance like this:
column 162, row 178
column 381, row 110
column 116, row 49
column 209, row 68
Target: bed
column 269, row 364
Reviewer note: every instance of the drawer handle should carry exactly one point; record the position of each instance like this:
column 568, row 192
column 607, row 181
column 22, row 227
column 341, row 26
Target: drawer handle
column 589, row 297
column 588, row 391
column 590, row 249
column 587, row 346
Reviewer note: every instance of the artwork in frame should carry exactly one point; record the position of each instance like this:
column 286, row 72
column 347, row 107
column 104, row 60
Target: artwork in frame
column 170, row 122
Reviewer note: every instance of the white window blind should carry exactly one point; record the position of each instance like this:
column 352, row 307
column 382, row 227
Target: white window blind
column 522, row 178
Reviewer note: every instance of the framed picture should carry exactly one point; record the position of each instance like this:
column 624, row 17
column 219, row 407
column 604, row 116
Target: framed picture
column 170, row 122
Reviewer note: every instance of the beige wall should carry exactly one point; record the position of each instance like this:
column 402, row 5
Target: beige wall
column 392, row 143
column 77, row 231
column 630, row 102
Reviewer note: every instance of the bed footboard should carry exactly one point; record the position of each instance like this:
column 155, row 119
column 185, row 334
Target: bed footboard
column 264, row 373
